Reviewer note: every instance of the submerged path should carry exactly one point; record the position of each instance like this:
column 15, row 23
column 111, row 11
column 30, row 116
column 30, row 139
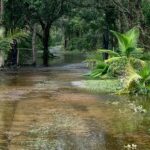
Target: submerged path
column 41, row 110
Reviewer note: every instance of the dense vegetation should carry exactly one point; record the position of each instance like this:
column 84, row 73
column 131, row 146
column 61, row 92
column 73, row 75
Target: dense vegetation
column 125, row 63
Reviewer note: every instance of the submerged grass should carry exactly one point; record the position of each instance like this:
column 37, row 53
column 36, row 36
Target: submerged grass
column 98, row 86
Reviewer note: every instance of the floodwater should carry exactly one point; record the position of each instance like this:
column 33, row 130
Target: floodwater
column 41, row 110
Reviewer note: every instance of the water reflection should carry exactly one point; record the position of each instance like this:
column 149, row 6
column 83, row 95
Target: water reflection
column 7, row 113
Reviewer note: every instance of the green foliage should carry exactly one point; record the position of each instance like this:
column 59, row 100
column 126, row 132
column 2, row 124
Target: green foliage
column 77, row 44
column 56, row 37
column 83, row 29
column 128, row 41
column 136, row 63
column 110, row 52
column 107, row 86
column 128, row 53
column 145, row 75
column 146, row 10
column 93, row 59
column 5, row 41
column 14, row 14
column 117, row 66
column 133, row 72
column 137, row 82
column 127, row 44
column 130, row 80
column 117, row 62
column 99, row 68
column 44, row 11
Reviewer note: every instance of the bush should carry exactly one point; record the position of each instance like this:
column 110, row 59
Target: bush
column 77, row 44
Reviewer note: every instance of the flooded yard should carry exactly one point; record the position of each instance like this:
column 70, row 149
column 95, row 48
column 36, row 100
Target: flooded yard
column 41, row 110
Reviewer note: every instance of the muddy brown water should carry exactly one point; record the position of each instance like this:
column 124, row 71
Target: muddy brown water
column 41, row 110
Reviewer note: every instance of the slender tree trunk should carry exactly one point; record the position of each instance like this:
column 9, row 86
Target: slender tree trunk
column 2, row 10
column 106, row 41
column 34, row 44
column 18, row 54
column 65, row 43
column 66, row 39
column 46, row 36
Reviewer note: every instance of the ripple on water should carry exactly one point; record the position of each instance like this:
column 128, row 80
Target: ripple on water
column 42, row 111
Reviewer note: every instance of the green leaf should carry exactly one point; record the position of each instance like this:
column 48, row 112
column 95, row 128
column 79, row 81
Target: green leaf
column 128, row 41
column 110, row 52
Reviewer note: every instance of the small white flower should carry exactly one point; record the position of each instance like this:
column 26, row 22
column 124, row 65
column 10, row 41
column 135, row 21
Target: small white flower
column 135, row 110
column 128, row 147
column 134, row 147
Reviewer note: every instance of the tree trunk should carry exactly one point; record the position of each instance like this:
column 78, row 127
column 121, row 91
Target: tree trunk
column 106, row 41
column 34, row 44
column 46, row 36
column 65, row 41
column 2, row 10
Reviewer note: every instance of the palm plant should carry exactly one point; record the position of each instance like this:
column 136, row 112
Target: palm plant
column 128, row 51
column 127, row 43
column 126, row 64
column 5, row 40
column 118, row 61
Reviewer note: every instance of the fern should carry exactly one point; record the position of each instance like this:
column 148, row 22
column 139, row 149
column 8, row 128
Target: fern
column 6, row 40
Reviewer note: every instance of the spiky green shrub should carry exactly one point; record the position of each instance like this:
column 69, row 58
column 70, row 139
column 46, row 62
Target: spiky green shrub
column 136, row 81
column 99, row 70
column 97, row 66
column 126, row 64
column 145, row 77
column 128, row 52
column 137, row 64
column 128, row 42
column 130, row 80
column 117, row 66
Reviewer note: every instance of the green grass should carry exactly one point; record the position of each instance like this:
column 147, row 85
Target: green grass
column 108, row 86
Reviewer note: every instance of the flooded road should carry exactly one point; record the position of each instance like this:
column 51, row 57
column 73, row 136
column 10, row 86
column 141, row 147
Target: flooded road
column 41, row 110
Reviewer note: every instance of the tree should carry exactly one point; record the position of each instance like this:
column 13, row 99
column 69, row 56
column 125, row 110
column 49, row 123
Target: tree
column 34, row 43
column 45, row 13
column 24, row 13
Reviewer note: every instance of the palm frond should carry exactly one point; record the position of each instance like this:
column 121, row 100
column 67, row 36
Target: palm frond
column 6, row 40
column 133, row 36
column 110, row 52
column 145, row 73
column 128, row 41
column 99, row 70
column 17, row 34
column 122, row 41
column 113, row 59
